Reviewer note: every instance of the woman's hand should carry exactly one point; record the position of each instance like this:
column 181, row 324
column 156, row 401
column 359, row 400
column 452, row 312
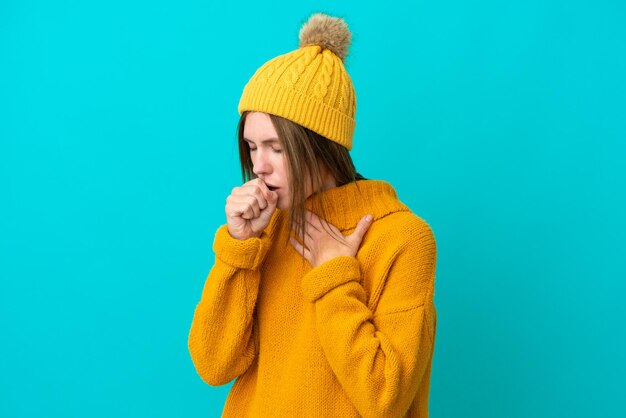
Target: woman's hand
column 249, row 209
column 320, row 246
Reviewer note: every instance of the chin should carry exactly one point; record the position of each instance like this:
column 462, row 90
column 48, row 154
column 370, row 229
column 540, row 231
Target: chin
column 282, row 205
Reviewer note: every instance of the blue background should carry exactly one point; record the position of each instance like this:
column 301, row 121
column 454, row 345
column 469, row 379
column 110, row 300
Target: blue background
column 501, row 123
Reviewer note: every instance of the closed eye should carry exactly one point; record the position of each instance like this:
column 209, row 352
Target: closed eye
column 277, row 151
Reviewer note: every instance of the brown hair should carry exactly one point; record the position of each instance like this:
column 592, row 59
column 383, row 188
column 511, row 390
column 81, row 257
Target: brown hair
column 308, row 154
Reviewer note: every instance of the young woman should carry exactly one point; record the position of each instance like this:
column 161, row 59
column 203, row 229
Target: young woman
column 320, row 301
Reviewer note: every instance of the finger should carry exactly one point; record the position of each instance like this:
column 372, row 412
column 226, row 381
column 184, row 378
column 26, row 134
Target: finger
column 322, row 225
column 247, row 205
column 254, row 205
column 245, row 191
column 256, row 187
column 304, row 236
column 266, row 192
column 334, row 229
column 305, row 241
column 237, row 209
column 313, row 220
column 299, row 248
column 362, row 227
column 256, row 190
column 273, row 199
column 247, row 212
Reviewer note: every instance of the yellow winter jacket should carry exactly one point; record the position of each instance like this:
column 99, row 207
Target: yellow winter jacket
column 352, row 337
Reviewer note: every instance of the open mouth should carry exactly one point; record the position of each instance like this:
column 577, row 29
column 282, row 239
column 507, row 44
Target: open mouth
column 272, row 188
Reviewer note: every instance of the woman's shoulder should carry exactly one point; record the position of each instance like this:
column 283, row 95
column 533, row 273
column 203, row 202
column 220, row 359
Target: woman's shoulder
column 403, row 228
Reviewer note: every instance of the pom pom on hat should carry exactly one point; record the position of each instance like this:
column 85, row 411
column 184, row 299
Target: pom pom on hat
column 328, row 32
column 309, row 85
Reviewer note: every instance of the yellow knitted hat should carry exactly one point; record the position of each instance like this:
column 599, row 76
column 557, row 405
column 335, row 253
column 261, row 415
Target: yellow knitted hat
column 310, row 85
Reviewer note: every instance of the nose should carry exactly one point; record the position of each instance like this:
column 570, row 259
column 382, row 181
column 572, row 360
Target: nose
column 261, row 163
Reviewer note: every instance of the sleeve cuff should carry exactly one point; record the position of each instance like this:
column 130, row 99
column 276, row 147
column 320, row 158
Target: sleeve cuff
column 329, row 275
column 245, row 254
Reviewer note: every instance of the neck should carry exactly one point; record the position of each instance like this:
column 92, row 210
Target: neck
column 329, row 182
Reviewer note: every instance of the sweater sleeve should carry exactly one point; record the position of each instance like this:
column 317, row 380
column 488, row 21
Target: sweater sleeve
column 379, row 357
column 222, row 336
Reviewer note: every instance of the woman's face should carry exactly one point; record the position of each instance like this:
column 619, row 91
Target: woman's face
column 269, row 160
column 268, row 156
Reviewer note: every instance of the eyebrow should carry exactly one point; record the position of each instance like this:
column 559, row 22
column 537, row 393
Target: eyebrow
column 265, row 141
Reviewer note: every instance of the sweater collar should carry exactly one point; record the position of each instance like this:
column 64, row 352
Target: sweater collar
column 347, row 204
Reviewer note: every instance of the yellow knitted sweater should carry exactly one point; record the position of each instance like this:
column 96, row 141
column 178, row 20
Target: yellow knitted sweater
column 352, row 337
